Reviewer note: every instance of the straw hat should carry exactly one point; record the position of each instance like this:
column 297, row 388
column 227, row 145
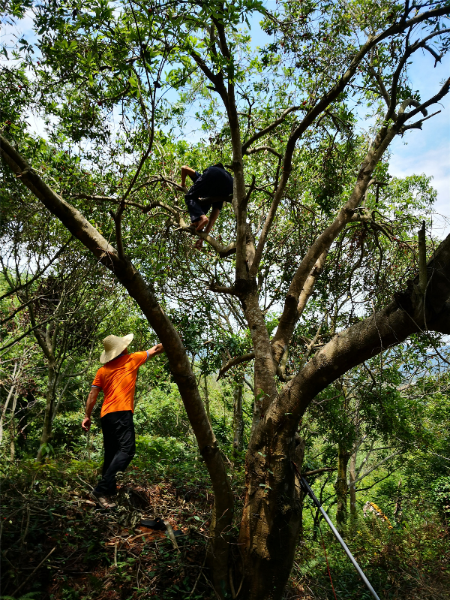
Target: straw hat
column 114, row 346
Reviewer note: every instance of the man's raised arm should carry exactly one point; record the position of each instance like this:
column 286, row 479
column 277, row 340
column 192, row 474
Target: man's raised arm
column 185, row 171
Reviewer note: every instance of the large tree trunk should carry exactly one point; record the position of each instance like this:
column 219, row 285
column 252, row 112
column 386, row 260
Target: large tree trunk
column 49, row 409
column 341, row 485
column 271, row 520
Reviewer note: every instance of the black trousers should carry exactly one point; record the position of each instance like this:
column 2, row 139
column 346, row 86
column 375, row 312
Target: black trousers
column 119, row 448
column 197, row 208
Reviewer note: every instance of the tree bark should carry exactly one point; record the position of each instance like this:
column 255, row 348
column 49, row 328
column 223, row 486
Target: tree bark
column 341, row 485
column 264, row 367
column 271, row 519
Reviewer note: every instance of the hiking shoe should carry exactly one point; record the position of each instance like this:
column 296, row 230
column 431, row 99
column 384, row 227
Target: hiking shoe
column 103, row 500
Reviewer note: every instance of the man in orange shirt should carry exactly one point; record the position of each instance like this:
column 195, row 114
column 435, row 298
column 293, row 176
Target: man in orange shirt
column 117, row 380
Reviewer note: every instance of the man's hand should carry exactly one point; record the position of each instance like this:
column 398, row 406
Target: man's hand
column 198, row 244
column 158, row 349
column 86, row 423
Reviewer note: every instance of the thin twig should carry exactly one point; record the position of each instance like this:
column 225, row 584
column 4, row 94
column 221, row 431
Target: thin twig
column 31, row 574
column 200, row 572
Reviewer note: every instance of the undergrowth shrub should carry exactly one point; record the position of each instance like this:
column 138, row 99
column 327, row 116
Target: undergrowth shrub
column 398, row 562
column 441, row 495
column 161, row 413
column 158, row 452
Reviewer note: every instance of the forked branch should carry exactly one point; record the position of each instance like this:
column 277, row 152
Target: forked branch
column 259, row 134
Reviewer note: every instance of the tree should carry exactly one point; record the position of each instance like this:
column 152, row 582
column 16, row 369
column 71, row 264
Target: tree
column 71, row 320
column 302, row 96
column 372, row 418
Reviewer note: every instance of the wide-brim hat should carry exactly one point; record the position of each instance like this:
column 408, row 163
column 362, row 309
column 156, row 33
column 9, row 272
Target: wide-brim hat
column 114, row 346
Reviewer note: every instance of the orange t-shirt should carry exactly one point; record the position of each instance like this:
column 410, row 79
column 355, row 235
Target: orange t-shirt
column 117, row 380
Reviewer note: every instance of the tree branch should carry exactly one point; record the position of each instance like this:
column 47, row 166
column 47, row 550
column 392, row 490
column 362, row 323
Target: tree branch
column 317, row 471
column 31, row 330
column 67, row 214
column 237, row 360
column 326, row 238
column 380, row 82
column 266, row 130
column 381, row 462
column 261, row 149
column 117, row 218
column 320, row 107
column 408, row 313
column 39, row 273
column 418, row 124
column 19, row 309
column 216, row 79
column 403, row 117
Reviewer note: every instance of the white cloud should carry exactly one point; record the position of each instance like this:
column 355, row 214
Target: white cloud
column 428, row 152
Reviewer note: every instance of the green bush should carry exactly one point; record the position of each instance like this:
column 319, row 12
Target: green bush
column 161, row 413
column 158, row 452
column 441, row 493
column 66, row 431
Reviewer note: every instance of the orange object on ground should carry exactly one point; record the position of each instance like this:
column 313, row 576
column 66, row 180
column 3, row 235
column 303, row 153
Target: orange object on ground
column 117, row 380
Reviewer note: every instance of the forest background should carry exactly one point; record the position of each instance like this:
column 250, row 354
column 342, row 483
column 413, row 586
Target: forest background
column 305, row 121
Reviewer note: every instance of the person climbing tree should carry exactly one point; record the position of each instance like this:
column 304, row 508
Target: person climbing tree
column 211, row 189
column 117, row 380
